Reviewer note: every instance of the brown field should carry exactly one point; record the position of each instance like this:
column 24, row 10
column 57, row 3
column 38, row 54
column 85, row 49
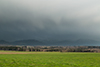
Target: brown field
column 24, row 52
column 13, row 52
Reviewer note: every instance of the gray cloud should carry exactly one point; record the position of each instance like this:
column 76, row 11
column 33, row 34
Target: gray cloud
column 49, row 19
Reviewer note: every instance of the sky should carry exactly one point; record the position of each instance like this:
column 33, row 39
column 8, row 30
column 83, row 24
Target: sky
column 49, row 19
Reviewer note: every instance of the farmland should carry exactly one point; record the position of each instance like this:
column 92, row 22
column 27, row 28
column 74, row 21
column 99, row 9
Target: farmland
column 49, row 59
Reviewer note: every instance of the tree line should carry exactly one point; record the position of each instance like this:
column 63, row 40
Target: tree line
column 52, row 48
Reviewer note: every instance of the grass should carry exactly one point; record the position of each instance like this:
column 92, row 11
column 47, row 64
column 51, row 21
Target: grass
column 50, row 59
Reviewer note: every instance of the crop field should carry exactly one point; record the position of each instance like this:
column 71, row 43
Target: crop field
column 48, row 59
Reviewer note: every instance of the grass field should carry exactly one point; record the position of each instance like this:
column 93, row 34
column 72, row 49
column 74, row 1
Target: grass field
column 48, row 59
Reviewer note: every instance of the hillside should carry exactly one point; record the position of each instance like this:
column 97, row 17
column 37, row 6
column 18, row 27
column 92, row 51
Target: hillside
column 33, row 42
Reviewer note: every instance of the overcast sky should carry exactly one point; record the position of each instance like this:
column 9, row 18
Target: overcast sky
column 49, row 19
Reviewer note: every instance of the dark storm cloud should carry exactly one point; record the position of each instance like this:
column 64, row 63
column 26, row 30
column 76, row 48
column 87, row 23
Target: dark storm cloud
column 49, row 19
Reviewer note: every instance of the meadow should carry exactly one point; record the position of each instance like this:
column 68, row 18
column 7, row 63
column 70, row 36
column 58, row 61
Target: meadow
column 48, row 59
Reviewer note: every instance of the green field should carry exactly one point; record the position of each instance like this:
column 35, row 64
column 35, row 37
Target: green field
column 49, row 59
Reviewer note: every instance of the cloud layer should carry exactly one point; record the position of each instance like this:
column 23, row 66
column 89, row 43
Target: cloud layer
column 49, row 19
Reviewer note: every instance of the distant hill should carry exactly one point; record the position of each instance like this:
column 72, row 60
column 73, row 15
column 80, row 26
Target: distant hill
column 4, row 42
column 27, row 42
column 79, row 42
column 33, row 42
column 87, row 41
